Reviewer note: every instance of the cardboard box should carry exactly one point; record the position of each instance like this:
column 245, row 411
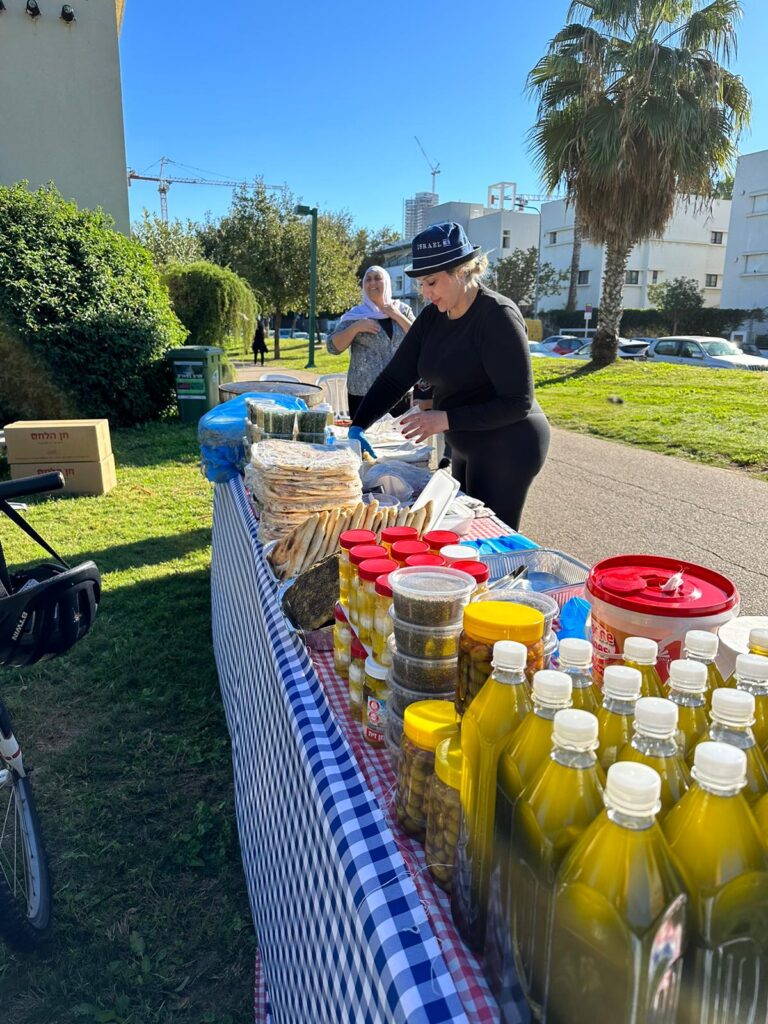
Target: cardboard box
column 79, row 477
column 38, row 441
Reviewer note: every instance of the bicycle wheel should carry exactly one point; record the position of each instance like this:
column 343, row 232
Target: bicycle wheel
column 25, row 887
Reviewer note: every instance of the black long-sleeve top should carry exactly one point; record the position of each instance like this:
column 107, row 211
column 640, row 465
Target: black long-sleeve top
column 479, row 366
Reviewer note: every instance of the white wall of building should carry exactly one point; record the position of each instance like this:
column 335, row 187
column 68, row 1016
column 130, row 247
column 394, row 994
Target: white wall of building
column 694, row 245
column 745, row 284
column 498, row 232
column 61, row 117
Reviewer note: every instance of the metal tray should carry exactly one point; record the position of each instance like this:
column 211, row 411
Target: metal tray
column 571, row 572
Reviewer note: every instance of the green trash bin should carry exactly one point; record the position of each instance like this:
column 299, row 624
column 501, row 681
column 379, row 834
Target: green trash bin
column 197, row 374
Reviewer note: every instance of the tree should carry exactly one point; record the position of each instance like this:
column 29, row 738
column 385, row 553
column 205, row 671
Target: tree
column 677, row 298
column 635, row 109
column 573, row 282
column 724, row 187
column 173, row 242
column 515, row 277
column 215, row 305
column 369, row 244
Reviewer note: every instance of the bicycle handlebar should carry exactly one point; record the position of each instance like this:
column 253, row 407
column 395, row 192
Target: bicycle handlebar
column 28, row 485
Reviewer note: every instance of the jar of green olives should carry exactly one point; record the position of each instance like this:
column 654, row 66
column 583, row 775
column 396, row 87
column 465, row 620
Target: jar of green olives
column 443, row 812
column 382, row 620
column 425, row 725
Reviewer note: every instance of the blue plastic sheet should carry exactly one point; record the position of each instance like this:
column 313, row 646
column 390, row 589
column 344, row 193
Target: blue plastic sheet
column 573, row 619
column 501, row 545
column 221, row 430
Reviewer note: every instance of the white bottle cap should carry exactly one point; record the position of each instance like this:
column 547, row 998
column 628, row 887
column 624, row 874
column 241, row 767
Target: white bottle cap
column 552, row 689
column 509, row 655
column 699, row 641
column 752, row 666
column 574, row 652
column 655, row 716
column 689, row 676
column 622, row 682
column 758, row 638
column 733, row 707
column 719, row 766
column 641, row 650
column 575, row 729
column 458, row 552
column 633, row 788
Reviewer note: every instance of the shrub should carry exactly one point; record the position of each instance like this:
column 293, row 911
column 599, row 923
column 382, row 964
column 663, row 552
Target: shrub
column 87, row 307
column 215, row 305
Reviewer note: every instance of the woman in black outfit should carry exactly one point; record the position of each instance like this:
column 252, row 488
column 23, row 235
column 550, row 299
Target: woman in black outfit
column 471, row 344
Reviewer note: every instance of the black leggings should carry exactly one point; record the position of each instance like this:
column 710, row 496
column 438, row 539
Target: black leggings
column 498, row 466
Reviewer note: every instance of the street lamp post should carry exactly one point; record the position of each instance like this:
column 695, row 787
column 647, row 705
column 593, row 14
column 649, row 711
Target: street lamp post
column 311, row 211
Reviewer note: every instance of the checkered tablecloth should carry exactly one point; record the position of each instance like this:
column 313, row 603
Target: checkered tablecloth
column 350, row 926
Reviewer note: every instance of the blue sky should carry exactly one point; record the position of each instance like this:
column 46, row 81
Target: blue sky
column 328, row 97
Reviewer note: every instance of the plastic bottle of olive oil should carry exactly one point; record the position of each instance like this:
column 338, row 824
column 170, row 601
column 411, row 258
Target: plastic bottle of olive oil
column 716, row 837
column 654, row 744
column 642, row 654
column 756, row 644
column 575, row 659
column 732, row 715
column 752, row 675
column 619, row 926
column 621, row 690
column 501, row 705
column 702, row 646
column 687, row 687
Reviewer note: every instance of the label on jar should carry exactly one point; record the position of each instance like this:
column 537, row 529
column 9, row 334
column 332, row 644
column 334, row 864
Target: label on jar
column 375, row 719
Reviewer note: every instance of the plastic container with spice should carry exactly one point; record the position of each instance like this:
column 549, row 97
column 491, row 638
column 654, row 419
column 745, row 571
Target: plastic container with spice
column 375, row 700
column 427, row 675
column 444, row 811
column 426, row 641
column 479, row 572
column 425, row 724
column 401, row 697
column 430, row 596
column 357, row 555
column 356, row 677
column 367, row 573
column 393, row 534
column 485, row 623
column 403, row 549
column 382, row 620
column 348, row 540
column 342, row 642
column 393, row 731
column 458, row 553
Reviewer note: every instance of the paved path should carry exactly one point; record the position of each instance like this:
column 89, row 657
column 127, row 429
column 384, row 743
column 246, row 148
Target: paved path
column 597, row 498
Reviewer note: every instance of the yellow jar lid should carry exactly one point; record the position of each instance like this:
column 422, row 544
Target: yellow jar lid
column 448, row 761
column 428, row 722
column 490, row 621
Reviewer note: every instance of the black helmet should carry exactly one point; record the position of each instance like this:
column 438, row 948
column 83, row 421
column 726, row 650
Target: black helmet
column 49, row 609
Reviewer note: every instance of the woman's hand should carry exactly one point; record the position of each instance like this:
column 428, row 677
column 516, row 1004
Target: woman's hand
column 367, row 327
column 421, row 425
column 389, row 308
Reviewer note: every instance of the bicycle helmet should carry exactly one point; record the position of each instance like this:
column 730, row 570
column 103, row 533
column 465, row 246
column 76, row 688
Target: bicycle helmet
column 49, row 609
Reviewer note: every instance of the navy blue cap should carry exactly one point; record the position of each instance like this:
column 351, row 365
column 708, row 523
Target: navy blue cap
column 440, row 247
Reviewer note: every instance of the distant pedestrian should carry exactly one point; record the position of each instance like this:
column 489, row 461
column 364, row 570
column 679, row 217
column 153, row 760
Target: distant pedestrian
column 259, row 345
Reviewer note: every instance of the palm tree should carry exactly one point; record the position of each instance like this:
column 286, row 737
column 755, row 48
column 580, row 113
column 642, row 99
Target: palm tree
column 573, row 282
column 634, row 111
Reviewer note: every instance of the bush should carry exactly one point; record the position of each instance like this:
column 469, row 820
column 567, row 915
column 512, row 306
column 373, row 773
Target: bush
column 653, row 323
column 215, row 305
column 88, row 308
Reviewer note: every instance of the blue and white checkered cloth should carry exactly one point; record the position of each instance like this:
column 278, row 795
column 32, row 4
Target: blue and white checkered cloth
column 342, row 934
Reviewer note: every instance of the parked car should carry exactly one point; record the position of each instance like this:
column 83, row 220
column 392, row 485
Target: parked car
column 561, row 344
column 538, row 348
column 628, row 348
column 692, row 350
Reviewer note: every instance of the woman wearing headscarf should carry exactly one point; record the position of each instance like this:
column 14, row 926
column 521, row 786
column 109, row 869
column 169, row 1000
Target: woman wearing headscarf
column 372, row 331
column 471, row 345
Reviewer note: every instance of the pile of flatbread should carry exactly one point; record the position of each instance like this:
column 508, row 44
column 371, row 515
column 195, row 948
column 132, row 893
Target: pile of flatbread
column 318, row 536
column 289, row 482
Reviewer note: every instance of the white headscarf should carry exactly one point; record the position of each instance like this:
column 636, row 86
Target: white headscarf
column 367, row 309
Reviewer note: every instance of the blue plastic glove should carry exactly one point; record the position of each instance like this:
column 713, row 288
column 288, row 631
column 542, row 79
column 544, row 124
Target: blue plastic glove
column 356, row 434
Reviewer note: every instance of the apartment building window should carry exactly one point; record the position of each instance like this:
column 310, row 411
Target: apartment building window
column 583, row 277
column 552, row 238
column 710, row 281
column 398, row 283
column 506, row 239
column 654, row 277
column 756, row 263
column 632, row 277
column 716, row 237
column 760, row 203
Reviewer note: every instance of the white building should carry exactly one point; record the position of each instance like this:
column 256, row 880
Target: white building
column 694, row 245
column 745, row 280
column 62, row 114
column 415, row 212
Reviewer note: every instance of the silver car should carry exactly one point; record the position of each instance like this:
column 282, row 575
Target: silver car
column 693, row 350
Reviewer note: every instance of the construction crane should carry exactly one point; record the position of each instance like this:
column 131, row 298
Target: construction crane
column 434, row 168
column 164, row 183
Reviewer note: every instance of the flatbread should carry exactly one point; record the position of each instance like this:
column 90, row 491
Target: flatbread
column 317, row 542
column 305, row 538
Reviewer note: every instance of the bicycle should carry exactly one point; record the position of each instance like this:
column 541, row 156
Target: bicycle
column 44, row 611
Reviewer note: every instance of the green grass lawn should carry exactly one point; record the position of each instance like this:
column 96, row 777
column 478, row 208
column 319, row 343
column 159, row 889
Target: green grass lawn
column 715, row 416
column 294, row 353
column 132, row 762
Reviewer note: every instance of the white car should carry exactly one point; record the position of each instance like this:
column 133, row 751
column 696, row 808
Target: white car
column 693, row 350
column 628, row 348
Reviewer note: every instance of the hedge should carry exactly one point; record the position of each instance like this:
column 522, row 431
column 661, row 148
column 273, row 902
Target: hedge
column 84, row 311
column 215, row 305
column 709, row 320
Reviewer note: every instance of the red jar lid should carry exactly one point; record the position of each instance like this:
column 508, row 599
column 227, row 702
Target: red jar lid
column 357, row 650
column 441, row 538
column 363, row 552
column 404, row 548
column 383, row 587
column 393, row 534
column 339, row 613
column 479, row 571
column 425, row 560
column 372, row 568
column 351, row 538
column 636, row 583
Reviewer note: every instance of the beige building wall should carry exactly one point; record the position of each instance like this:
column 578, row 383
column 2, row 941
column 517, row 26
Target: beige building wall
column 61, row 118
